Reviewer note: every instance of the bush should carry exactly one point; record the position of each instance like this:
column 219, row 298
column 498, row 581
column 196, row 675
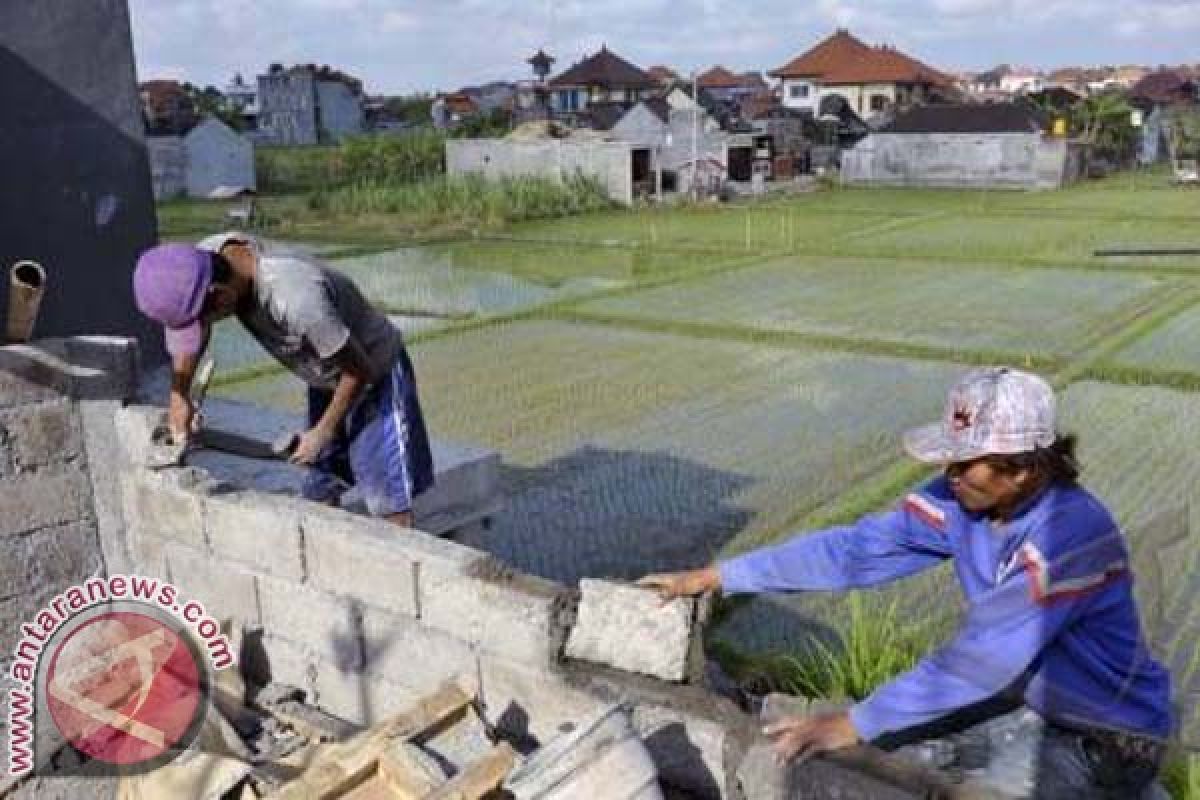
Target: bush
column 470, row 199
column 382, row 159
column 393, row 160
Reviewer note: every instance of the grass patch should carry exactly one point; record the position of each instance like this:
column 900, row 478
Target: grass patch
column 468, row 202
column 1181, row 776
column 872, row 643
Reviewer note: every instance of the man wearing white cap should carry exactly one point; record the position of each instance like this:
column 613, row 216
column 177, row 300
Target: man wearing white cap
column 1051, row 623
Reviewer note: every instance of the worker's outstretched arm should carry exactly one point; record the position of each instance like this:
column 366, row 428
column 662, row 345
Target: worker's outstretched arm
column 877, row 549
column 180, row 412
column 354, row 376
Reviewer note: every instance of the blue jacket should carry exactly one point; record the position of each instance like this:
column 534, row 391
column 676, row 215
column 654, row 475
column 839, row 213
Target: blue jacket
column 1050, row 599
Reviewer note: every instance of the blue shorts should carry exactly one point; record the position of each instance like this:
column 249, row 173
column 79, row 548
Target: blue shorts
column 382, row 448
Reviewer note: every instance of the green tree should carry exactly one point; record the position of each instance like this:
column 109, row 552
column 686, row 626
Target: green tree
column 1105, row 121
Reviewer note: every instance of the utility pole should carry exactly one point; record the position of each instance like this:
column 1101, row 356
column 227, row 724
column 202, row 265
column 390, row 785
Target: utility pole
column 695, row 123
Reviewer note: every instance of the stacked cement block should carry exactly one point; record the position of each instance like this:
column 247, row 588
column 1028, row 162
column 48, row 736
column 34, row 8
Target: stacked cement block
column 50, row 517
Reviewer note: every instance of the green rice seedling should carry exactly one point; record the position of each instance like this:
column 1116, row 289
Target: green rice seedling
column 874, row 645
column 1181, row 776
column 1042, row 313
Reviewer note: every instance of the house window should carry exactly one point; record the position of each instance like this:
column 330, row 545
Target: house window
column 798, row 91
column 878, row 102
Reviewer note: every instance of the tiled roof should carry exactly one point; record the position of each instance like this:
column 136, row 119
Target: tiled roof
column 607, row 70
column 1016, row 117
column 718, row 78
column 663, row 74
column 844, row 59
column 1164, row 86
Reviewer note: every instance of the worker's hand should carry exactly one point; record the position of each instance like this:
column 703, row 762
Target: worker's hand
column 182, row 419
column 310, row 444
column 802, row 737
column 670, row 585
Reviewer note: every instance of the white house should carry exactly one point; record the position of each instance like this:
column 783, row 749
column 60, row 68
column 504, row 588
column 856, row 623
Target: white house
column 209, row 156
column 870, row 79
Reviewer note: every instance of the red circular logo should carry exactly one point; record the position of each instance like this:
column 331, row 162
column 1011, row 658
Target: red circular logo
column 125, row 688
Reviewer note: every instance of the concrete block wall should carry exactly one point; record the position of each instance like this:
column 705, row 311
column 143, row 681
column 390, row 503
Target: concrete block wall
column 958, row 160
column 610, row 162
column 53, row 511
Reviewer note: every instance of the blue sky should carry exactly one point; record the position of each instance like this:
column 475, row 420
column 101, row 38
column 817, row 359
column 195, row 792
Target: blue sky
column 397, row 46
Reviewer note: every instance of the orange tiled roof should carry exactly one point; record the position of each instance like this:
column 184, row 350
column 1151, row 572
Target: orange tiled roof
column 844, row 59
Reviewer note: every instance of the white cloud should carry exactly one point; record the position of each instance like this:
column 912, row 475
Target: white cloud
column 398, row 45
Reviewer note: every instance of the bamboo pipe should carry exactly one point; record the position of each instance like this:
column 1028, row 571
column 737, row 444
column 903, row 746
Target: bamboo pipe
column 27, row 283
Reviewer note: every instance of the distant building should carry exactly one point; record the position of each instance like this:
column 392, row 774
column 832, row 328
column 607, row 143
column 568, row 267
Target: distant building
column 663, row 75
column 241, row 98
column 307, row 105
column 603, row 77
column 166, row 107
column 870, row 79
column 979, row 146
column 209, row 157
column 1022, row 80
column 1164, row 87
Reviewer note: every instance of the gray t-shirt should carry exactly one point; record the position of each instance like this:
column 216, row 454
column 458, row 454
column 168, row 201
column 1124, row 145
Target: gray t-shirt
column 303, row 313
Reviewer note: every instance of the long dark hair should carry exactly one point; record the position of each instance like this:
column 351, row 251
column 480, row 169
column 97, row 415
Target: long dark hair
column 1057, row 463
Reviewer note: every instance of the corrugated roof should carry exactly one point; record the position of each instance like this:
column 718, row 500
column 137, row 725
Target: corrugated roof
column 844, row 59
column 1016, row 117
column 607, row 70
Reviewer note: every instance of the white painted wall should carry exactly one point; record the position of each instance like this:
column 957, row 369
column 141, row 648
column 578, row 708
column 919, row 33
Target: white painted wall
column 217, row 156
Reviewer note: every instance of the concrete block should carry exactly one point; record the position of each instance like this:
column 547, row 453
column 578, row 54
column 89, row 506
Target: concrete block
column 104, row 454
column 43, row 433
column 341, row 691
column 259, row 530
column 116, row 358
column 629, row 628
column 359, row 697
column 349, row 554
column 695, row 738
column 400, row 649
column 490, row 606
column 33, row 373
column 135, row 426
column 155, row 509
column 532, row 705
column 225, row 590
column 688, row 749
column 327, row 625
column 466, row 488
column 64, row 556
column 288, row 662
column 49, row 497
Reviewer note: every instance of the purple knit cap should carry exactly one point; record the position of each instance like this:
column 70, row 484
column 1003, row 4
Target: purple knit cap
column 169, row 285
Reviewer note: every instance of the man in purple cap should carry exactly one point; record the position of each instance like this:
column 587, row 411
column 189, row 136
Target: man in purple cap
column 1051, row 655
column 366, row 426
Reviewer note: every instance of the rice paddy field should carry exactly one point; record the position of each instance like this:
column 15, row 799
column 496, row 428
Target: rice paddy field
column 669, row 386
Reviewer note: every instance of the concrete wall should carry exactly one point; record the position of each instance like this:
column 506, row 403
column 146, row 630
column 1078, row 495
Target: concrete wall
column 287, row 108
column 980, row 161
column 339, row 111
column 217, row 156
column 57, row 517
column 168, row 166
column 610, row 162
column 77, row 193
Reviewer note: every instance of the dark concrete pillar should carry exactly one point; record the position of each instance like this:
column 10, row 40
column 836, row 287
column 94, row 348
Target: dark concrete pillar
column 75, row 191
